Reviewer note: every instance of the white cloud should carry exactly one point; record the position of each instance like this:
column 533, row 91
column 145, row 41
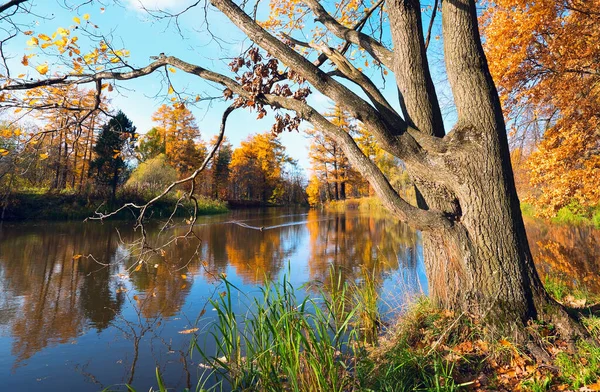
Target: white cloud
column 151, row 5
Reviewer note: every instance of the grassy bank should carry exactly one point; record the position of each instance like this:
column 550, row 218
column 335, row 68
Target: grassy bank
column 372, row 204
column 570, row 215
column 287, row 343
column 70, row 206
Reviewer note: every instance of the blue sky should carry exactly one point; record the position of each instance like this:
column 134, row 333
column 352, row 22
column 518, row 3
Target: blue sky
column 130, row 27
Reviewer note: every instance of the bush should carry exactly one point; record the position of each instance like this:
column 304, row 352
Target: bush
column 153, row 175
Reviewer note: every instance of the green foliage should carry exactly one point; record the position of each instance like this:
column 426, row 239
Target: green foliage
column 570, row 215
column 153, row 175
column 65, row 205
column 151, row 145
column 109, row 164
column 282, row 342
column 556, row 287
column 537, row 384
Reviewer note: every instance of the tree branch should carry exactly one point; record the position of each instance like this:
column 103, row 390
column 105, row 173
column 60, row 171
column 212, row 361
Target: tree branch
column 372, row 46
column 420, row 219
column 393, row 140
column 10, row 4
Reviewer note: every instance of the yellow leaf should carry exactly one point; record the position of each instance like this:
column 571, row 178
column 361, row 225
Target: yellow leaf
column 42, row 68
column 3, row 151
column 188, row 331
column 33, row 41
column 183, row 276
column 77, row 257
column 44, row 156
column 86, row 16
column 62, row 31
column 21, row 76
column 171, row 90
column 139, row 267
column 135, row 297
column 76, row 20
column 173, row 70
column 44, row 37
column 197, row 98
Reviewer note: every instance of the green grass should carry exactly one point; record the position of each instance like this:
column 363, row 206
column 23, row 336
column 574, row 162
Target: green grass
column 581, row 368
column 573, row 215
column 282, row 342
column 286, row 341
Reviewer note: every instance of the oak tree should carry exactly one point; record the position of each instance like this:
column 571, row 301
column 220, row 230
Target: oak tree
column 476, row 252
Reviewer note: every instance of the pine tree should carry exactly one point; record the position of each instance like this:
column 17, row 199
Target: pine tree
column 116, row 136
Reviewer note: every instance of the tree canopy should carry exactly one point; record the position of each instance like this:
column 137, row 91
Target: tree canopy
column 544, row 57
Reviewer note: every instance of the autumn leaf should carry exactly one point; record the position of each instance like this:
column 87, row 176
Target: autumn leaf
column 3, row 152
column 77, row 257
column 171, row 90
column 42, row 68
column 25, row 60
column 76, row 20
column 188, row 331
column 86, row 16
column 44, row 156
column 139, row 267
column 183, row 276
column 135, row 298
column 172, row 70
column 33, row 41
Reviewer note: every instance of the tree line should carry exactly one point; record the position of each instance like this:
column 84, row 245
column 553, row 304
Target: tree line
column 103, row 154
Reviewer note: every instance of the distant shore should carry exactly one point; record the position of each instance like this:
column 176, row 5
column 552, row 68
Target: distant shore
column 73, row 206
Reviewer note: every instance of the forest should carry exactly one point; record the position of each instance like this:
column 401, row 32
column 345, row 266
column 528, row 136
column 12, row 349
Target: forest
column 471, row 127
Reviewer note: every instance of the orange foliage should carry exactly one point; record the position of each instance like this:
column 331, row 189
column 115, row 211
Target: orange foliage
column 543, row 55
column 181, row 137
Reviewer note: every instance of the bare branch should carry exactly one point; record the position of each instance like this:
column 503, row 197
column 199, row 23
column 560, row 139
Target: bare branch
column 430, row 28
column 10, row 4
column 372, row 46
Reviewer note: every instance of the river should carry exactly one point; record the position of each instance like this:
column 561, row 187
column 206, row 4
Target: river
column 77, row 312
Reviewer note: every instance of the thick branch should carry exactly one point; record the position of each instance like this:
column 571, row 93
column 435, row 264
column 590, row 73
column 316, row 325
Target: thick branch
column 472, row 85
column 10, row 4
column 416, row 217
column 348, row 100
column 411, row 68
column 349, row 71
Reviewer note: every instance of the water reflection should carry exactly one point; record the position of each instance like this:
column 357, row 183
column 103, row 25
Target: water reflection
column 110, row 320
column 573, row 252
column 86, row 323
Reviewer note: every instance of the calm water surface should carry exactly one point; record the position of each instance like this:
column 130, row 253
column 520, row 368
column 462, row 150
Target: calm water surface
column 88, row 323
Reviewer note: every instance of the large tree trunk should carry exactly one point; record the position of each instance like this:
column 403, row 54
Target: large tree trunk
column 482, row 265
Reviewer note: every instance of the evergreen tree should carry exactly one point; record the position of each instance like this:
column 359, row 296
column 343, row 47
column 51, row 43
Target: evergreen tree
column 115, row 137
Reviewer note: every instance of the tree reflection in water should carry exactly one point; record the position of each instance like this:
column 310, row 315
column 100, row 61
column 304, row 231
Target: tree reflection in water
column 112, row 324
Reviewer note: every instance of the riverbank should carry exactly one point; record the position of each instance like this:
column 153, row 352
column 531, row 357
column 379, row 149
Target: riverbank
column 565, row 216
column 325, row 344
column 74, row 206
column 570, row 215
